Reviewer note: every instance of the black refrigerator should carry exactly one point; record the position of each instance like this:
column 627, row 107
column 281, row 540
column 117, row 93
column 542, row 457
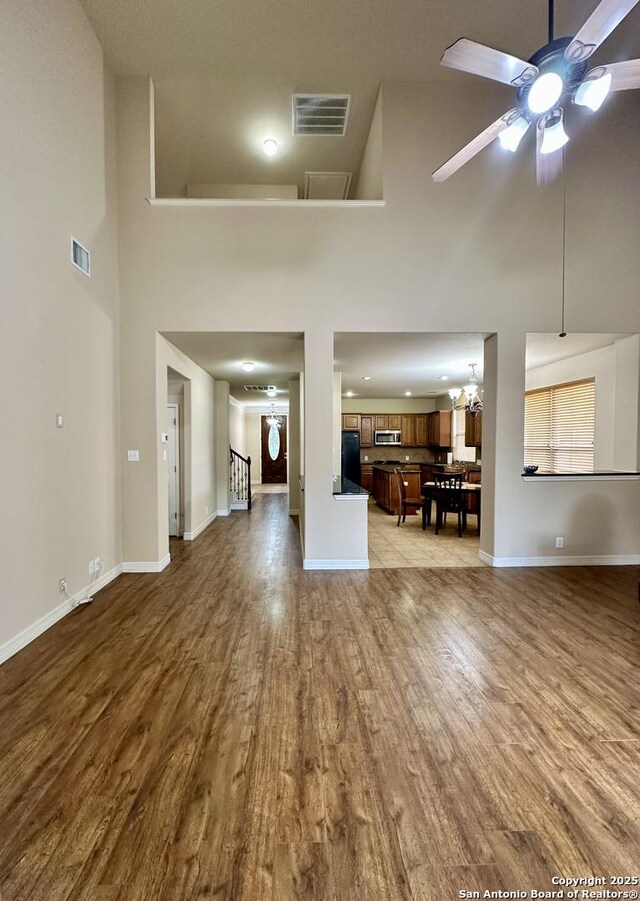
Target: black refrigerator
column 351, row 456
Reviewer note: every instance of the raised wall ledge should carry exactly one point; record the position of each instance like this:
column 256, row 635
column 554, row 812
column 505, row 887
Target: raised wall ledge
column 581, row 477
column 202, row 202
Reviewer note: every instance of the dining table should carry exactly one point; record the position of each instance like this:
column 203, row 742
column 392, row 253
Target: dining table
column 427, row 492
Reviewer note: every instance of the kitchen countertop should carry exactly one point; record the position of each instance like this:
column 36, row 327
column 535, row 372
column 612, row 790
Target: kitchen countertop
column 389, row 467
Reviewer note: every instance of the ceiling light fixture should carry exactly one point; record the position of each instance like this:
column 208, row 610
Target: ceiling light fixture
column 366, row 378
column 593, row 91
column 553, row 134
column 443, row 378
column 271, row 392
column 512, row 135
column 407, row 394
column 248, row 366
column 270, row 147
column 467, row 398
column 545, row 92
column 272, row 418
column 349, row 394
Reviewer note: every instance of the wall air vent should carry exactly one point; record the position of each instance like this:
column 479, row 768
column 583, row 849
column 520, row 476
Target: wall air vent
column 320, row 114
column 259, row 387
column 80, row 257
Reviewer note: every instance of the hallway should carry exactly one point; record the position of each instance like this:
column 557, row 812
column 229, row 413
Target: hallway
column 236, row 728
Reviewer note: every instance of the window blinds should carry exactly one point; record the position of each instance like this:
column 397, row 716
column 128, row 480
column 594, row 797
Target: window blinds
column 559, row 427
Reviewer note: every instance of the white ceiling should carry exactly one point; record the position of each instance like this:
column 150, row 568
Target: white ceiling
column 397, row 362
column 225, row 71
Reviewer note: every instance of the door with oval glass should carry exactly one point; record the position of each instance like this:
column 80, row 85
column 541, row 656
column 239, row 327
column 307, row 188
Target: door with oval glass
column 274, row 450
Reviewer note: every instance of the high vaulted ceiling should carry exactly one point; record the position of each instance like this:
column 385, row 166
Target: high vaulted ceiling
column 225, row 71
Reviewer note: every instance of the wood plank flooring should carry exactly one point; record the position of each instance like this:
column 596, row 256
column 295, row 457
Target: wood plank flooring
column 235, row 728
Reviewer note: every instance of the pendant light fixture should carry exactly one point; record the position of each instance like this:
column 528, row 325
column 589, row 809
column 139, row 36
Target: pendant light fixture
column 272, row 418
column 467, row 398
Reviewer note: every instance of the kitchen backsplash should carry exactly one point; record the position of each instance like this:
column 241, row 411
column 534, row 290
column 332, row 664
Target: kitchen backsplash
column 414, row 455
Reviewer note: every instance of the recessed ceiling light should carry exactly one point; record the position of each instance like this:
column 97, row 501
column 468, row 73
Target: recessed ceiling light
column 270, row 147
column 443, row 378
column 366, row 378
column 271, row 392
column 248, row 366
column 349, row 394
column 407, row 394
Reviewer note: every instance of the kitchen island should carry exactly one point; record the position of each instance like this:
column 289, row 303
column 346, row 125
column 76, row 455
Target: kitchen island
column 385, row 488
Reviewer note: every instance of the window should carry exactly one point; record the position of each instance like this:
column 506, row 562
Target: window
column 559, row 425
column 460, row 451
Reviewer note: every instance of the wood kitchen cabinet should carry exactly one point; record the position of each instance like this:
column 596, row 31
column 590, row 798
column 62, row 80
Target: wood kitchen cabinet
column 351, row 422
column 473, row 429
column 395, row 421
column 366, row 431
column 408, row 429
column 381, row 421
column 439, row 428
column 366, row 476
column 385, row 488
column 421, row 430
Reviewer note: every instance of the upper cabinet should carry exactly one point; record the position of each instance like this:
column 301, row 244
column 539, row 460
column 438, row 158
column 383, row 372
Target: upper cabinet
column 351, row 422
column 439, row 428
column 473, row 429
column 417, row 429
column 366, row 431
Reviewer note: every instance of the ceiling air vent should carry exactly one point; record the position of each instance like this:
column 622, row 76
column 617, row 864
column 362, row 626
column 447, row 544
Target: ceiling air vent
column 80, row 257
column 320, row 114
column 259, row 387
column 327, row 185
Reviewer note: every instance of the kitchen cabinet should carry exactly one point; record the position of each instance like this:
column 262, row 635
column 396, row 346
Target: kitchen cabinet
column 421, row 430
column 385, row 488
column 395, row 421
column 366, row 476
column 351, row 422
column 473, row 429
column 408, row 428
column 366, row 431
column 382, row 421
column 439, row 428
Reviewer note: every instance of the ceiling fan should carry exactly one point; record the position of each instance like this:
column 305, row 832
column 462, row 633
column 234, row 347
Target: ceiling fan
column 556, row 74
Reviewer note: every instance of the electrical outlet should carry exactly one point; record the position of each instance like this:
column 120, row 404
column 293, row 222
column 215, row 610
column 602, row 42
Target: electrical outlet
column 559, row 541
column 97, row 565
column 62, row 585
column 366, row 459
column 407, row 458
column 92, row 567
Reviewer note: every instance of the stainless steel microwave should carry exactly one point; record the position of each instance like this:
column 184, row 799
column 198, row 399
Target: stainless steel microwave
column 387, row 436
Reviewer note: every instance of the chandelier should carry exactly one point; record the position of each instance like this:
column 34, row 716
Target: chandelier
column 272, row 418
column 467, row 398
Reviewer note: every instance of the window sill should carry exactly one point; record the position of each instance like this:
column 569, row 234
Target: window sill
column 604, row 476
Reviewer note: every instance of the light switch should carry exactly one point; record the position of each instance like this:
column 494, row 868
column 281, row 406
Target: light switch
column 133, row 456
column 59, row 421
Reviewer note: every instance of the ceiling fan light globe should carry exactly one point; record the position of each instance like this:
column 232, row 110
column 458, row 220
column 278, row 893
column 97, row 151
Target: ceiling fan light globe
column 454, row 393
column 510, row 138
column 553, row 136
column 593, row 92
column 545, row 92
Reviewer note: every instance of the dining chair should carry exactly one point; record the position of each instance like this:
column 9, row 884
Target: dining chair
column 405, row 501
column 449, row 499
column 474, row 477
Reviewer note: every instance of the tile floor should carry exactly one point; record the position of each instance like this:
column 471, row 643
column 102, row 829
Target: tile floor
column 391, row 546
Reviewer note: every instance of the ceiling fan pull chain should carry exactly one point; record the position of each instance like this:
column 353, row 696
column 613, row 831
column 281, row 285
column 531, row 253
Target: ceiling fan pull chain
column 563, row 333
column 551, row 17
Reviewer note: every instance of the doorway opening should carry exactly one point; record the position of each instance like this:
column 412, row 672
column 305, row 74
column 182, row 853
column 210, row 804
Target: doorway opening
column 173, row 441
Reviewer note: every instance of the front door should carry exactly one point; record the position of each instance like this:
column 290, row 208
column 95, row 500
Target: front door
column 274, row 451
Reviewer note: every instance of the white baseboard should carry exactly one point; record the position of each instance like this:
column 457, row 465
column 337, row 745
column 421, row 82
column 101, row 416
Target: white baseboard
column 224, row 512
column 146, row 566
column 311, row 563
column 189, row 536
column 22, row 639
column 293, row 511
column 596, row 560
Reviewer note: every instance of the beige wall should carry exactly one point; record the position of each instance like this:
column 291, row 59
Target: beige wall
column 252, row 438
column 480, row 253
column 237, row 436
column 370, row 180
column 59, row 488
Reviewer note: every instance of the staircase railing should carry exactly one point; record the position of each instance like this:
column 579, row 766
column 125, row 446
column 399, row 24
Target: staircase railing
column 240, row 477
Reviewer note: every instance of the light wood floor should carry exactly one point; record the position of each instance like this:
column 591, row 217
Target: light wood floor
column 235, row 728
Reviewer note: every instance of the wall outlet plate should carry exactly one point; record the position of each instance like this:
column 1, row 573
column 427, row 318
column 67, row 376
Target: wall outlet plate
column 133, row 456
column 92, row 567
column 62, row 585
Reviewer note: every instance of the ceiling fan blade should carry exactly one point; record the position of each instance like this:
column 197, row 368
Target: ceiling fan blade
column 481, row 60
column 548, row 165
column 625, row 76
column 605, row 17
column 473, row 147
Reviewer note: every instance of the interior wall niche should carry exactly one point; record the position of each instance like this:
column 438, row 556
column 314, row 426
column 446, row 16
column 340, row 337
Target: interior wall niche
column 613, row 362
